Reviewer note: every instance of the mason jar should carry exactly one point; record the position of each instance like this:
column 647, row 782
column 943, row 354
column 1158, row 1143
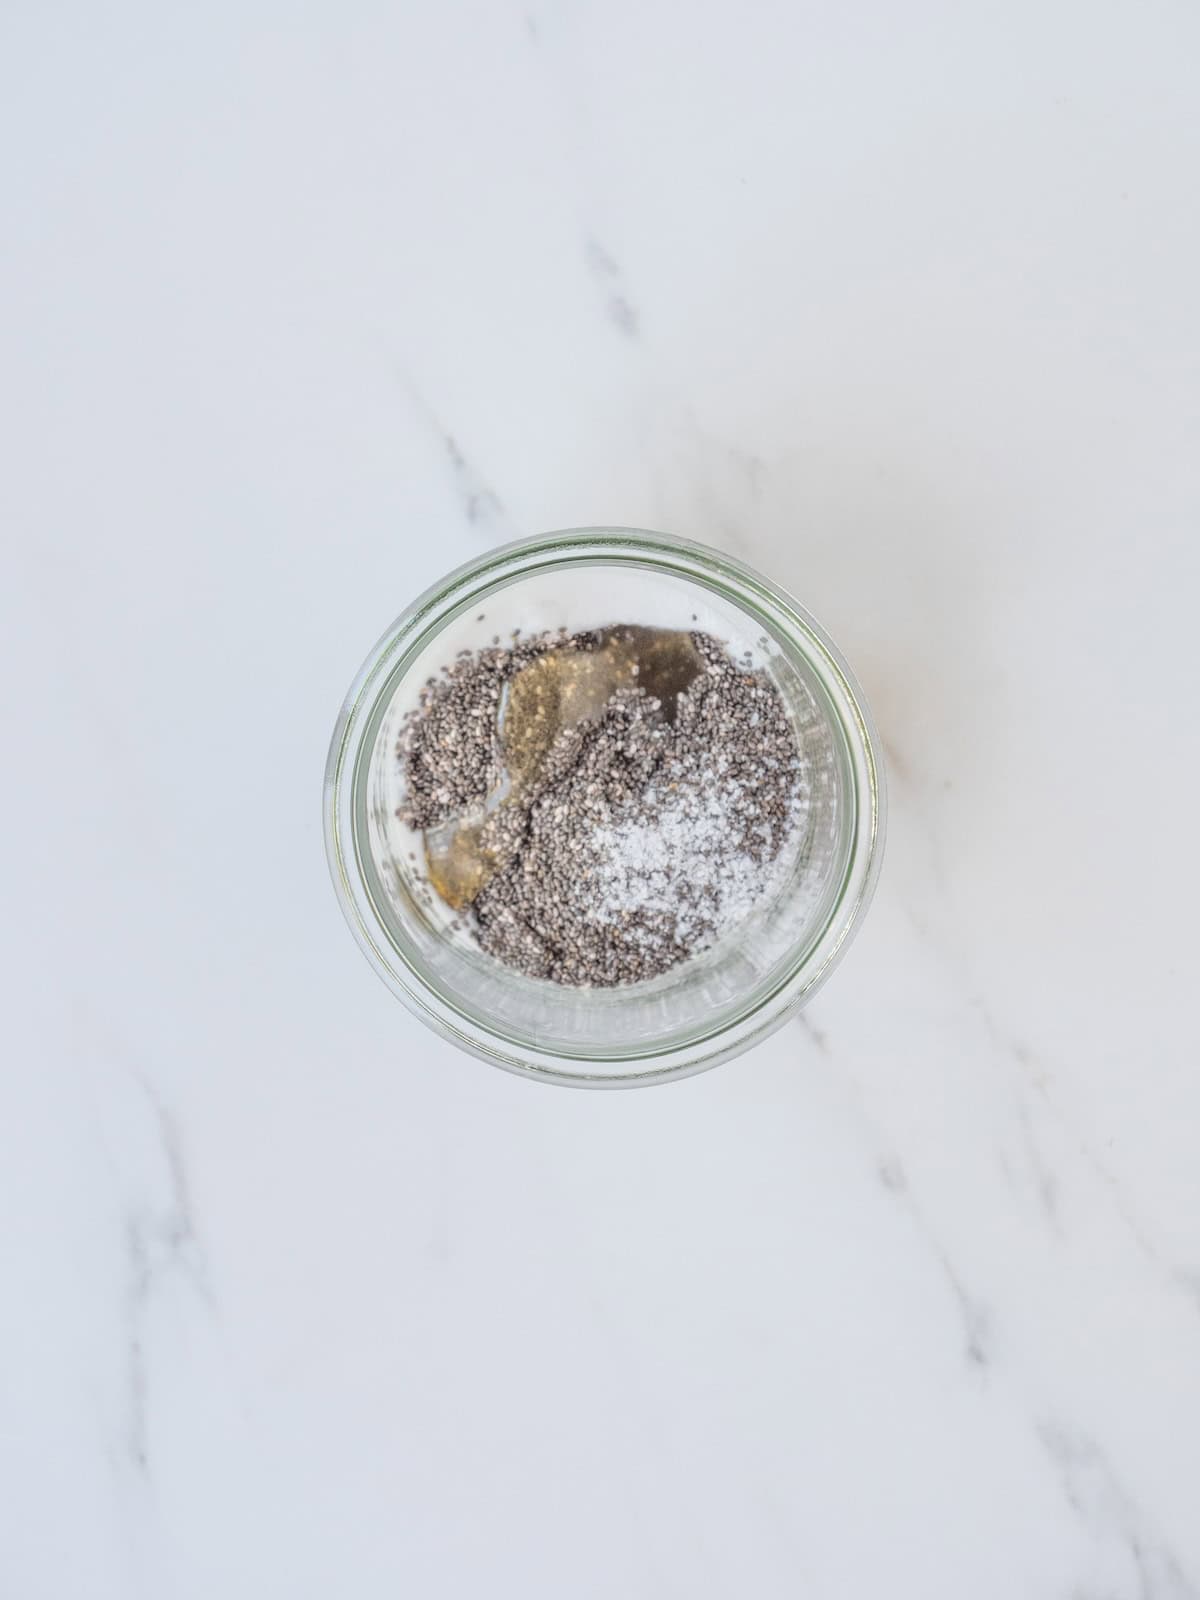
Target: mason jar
column 711, row 1006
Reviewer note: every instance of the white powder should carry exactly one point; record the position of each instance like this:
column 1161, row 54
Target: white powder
column 676, row 861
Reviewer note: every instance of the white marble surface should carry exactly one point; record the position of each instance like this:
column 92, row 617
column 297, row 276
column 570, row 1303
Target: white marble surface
column 303, row 305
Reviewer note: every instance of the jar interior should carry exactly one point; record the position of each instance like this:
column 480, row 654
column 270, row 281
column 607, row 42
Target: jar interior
column 701, row 996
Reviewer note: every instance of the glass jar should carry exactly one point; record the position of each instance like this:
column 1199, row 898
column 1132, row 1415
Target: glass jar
column 709, row 1007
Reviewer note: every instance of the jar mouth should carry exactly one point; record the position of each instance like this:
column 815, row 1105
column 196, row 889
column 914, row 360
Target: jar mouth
column 546, row 1039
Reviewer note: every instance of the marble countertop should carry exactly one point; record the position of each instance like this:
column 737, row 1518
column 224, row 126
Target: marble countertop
column 303, row 306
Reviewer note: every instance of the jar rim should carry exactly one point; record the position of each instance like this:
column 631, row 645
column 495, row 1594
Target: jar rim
column 418, row 625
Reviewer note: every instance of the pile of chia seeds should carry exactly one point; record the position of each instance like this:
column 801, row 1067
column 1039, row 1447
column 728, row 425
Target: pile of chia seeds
column 648, row 831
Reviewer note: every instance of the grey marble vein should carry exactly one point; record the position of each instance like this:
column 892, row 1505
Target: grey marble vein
column 1111, row 1516
column 976, row 1320
column 161, row 1242
column 477, row 500
column 1037, row 1073
column 480, row 503
column 1045, row 1180
column 618, row 305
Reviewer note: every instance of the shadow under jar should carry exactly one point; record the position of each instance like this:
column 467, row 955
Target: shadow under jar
column 714, row 1004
